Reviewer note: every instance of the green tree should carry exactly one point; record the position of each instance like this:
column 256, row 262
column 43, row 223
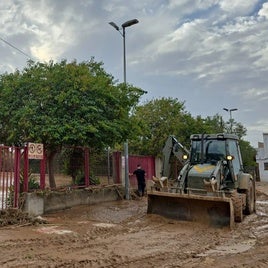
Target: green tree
column 248, row 154
column 155, row 120
column 65, row 104
column 214, row 124
column 239, row 130
column 210, row 124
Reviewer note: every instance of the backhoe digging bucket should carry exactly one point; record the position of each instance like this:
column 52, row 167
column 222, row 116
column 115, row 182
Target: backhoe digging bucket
column 211, row 210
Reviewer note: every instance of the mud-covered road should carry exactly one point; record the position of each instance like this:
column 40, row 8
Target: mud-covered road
column 121, row 234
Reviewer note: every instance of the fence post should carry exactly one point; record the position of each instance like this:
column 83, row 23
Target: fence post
column 126, row 171
column 86, row 166
column 26, row 169
column 108, row 164
column 16, row 177
column 117, row 166
column 43, row 172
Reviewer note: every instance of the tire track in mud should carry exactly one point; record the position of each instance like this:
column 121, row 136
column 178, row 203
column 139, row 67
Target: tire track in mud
column 248, row 244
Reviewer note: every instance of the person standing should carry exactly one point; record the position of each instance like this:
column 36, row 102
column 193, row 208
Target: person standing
column 140, row 175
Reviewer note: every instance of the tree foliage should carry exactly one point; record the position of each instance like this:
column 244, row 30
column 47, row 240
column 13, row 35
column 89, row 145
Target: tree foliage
column 154, row 121
column 248, row 154
column 74, row 104
column 65, row 104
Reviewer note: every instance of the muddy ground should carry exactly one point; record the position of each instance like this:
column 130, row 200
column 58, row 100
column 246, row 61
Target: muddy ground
column 121, row 234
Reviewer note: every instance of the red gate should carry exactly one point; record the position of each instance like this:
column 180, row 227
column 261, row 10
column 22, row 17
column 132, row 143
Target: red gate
column 147, row 163
column 9, row 176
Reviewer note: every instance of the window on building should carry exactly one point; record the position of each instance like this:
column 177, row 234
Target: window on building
column 266, row 166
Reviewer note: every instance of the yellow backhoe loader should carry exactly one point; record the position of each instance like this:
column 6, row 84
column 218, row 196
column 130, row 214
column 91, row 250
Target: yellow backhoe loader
column 211, row 186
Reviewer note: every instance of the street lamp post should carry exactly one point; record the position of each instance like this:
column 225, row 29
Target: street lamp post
column 231, row 119
column 124, row 26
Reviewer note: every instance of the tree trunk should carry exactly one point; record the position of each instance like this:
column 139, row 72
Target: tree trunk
column 52, row 183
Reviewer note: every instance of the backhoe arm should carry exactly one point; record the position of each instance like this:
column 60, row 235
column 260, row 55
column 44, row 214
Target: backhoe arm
column 172, row 147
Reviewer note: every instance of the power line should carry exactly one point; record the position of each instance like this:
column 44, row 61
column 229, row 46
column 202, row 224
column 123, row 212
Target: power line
column 25, row 54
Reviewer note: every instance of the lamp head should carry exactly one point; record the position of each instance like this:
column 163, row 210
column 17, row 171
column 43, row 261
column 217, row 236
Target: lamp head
column 114, row 25
column 129, row 23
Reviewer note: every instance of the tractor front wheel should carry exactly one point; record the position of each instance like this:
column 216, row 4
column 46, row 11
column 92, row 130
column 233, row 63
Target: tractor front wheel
column 250, row 199
column 238, row 207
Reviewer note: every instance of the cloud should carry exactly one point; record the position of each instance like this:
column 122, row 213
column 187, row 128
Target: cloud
column 238, row 7
column 263, row 12
column 260, row 94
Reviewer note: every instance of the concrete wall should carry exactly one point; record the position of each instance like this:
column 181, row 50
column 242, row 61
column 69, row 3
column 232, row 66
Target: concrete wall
column 38, row 203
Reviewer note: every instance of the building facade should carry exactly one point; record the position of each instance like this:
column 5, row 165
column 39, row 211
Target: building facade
column 262, row 158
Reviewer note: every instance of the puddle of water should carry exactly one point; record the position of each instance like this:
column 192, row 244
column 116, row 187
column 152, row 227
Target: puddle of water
column 263, row 227
column 262, row 214
column 262, row 207
column 53, row 230
column 83, row 222
column 230, row 249
column 263, row 202
column 115, row 212
column 105, row 225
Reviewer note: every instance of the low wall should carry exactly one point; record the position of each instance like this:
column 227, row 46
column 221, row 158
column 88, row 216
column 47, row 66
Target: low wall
column 39, row 203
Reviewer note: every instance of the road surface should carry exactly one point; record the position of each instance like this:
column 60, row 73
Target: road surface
column 121, row 234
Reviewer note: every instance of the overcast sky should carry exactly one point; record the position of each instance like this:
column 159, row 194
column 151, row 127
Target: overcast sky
column 210, row 54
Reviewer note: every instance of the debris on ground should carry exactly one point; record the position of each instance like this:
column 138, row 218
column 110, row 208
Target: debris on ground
column 13, row 216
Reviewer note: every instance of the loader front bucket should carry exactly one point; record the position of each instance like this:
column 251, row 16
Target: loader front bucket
column 211, row 210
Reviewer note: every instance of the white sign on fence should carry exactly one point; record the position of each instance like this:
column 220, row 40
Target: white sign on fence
column 35, row 150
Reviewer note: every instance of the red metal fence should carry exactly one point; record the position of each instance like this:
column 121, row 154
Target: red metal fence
column 17, row 168
column 14, row 174
column 9, row 176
